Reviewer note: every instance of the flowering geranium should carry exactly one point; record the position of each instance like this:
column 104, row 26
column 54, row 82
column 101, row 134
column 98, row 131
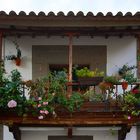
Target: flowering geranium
column 12, row 104
column 136, row 91
column 42, row 106
column 44, row 95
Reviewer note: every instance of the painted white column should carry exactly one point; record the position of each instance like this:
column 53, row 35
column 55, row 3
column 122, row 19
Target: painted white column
column 6, row 134
column 132, row 135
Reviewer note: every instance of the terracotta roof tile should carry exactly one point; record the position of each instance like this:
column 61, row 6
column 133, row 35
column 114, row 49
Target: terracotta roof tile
column 3, row 13
column 100, row 14
column 109, row 14
column 32, row 13
column 51, row 14
column 12, row 13
column 60, row 13
column 128, row 14
column 69, row 14
column 22, row 13
column 41, row 13
column 80, row 13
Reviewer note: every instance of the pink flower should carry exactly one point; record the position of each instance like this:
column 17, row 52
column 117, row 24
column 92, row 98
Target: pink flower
column 39, row 98
column 39, row 105
column 40, row 117
column 45, row 103
column 12, row 104
column 42, row 111
column 46, row 112
column 129, row 117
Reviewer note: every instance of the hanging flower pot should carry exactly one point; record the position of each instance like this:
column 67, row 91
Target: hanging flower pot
column 124, row 85
column 15, row 58
column 18, row 61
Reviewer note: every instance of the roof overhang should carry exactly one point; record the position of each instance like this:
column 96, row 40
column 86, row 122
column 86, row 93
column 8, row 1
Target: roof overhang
column 60, row 24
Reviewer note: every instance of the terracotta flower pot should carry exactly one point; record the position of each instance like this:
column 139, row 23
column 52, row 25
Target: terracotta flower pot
column 124, row 85
column 18, row 61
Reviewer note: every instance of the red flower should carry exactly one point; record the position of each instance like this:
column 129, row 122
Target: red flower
column 135, row 91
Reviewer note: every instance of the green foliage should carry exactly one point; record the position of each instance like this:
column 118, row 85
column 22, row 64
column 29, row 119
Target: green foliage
column 131, row 104
column 57, row 82
column 3, row 79
column 111, row 79
column 74, row 102
column 85, row 72
column 129, row 77
column 11, row 90
column 91, row 95
column 126, row 72
column 130, row 98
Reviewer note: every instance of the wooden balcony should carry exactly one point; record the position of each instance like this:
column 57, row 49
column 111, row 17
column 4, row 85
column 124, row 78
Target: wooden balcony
column 104, row 113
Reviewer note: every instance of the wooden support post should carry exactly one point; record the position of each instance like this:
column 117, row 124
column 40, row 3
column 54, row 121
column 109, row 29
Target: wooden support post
column 70, row 57
column 16, row 132
column 0, row 46
column 138, row 56
column 69, row 132
column 70, row 35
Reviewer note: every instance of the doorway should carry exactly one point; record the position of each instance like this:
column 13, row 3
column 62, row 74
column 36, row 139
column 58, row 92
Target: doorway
column 73, row 138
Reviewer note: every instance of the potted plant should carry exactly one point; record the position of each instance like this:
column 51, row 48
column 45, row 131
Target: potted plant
column 126, row 73
column 16, row 58
column 11, row 94
column 89, row 77
column 131, row 103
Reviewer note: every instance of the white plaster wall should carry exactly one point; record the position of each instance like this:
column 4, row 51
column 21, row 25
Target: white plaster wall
column 43, row 133
column 120, row 51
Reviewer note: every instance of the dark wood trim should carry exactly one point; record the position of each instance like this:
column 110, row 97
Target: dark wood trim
column 71, row 119
column 16, row 132
column 1, row 132
column 1, row 46
column 61, row 31
column 138, row 56
column 53, row 21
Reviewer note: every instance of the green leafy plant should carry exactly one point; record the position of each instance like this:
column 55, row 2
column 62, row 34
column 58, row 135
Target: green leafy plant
column 111, row 79
column 74, row 102
column 85, row 72
column 11, row 94
column 131, row 104
column 91, row 95
column 52, row 90
column 126, row 72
